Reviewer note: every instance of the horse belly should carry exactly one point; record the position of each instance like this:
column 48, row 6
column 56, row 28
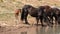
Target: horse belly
column 34, row 15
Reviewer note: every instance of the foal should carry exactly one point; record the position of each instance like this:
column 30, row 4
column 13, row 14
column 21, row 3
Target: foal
column 17, row 11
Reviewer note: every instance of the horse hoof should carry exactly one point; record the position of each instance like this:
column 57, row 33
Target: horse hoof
column 37, row 25
column 27, row 23
column 42, row 25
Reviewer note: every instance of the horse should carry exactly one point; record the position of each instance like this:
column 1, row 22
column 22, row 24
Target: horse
column 46, row 13
column 34, row 12
column 56, row 15
column 52, row 12
column 17, row 11
column 49, row 12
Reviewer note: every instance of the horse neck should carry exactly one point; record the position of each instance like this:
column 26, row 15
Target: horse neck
column 48, row 9
column 32, row 8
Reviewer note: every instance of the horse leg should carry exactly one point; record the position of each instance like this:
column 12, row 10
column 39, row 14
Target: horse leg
column 41, row 20
column 51, row 18
column 48, row 21
column 26, row 21
column 16, row 16
column 56, row 19
column 37, row 18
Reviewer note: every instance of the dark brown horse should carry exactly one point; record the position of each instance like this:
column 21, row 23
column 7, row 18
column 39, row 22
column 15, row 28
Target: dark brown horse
column 52, row 12
column 46, row 12
column 49, row 12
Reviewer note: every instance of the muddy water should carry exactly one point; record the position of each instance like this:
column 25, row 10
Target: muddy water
column 30, row 30
column 41, row 30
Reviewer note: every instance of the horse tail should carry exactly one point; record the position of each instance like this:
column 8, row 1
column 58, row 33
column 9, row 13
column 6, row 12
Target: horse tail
column 22, row 15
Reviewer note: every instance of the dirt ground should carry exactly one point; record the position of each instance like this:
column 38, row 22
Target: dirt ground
column 9, row 25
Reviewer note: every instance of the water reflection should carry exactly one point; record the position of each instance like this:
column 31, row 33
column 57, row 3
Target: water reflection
column 23, row 32
column 40, row 30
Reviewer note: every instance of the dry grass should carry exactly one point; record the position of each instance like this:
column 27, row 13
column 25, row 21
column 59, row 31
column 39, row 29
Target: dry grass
column 11, row 5
column 7, row 8
column 9, row 18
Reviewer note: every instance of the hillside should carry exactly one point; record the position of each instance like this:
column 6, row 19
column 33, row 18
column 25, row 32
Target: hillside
column 7, row 6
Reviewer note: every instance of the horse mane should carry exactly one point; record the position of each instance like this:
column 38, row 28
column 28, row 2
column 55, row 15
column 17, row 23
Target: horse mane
column 47, row 8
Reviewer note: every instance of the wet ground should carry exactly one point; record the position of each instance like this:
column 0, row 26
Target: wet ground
column 29, row 29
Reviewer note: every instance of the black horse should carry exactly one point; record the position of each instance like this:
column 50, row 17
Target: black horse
column 34, row 12
column 56, row 15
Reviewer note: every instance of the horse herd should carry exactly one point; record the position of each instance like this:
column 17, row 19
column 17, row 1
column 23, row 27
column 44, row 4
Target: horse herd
column 42, row 13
